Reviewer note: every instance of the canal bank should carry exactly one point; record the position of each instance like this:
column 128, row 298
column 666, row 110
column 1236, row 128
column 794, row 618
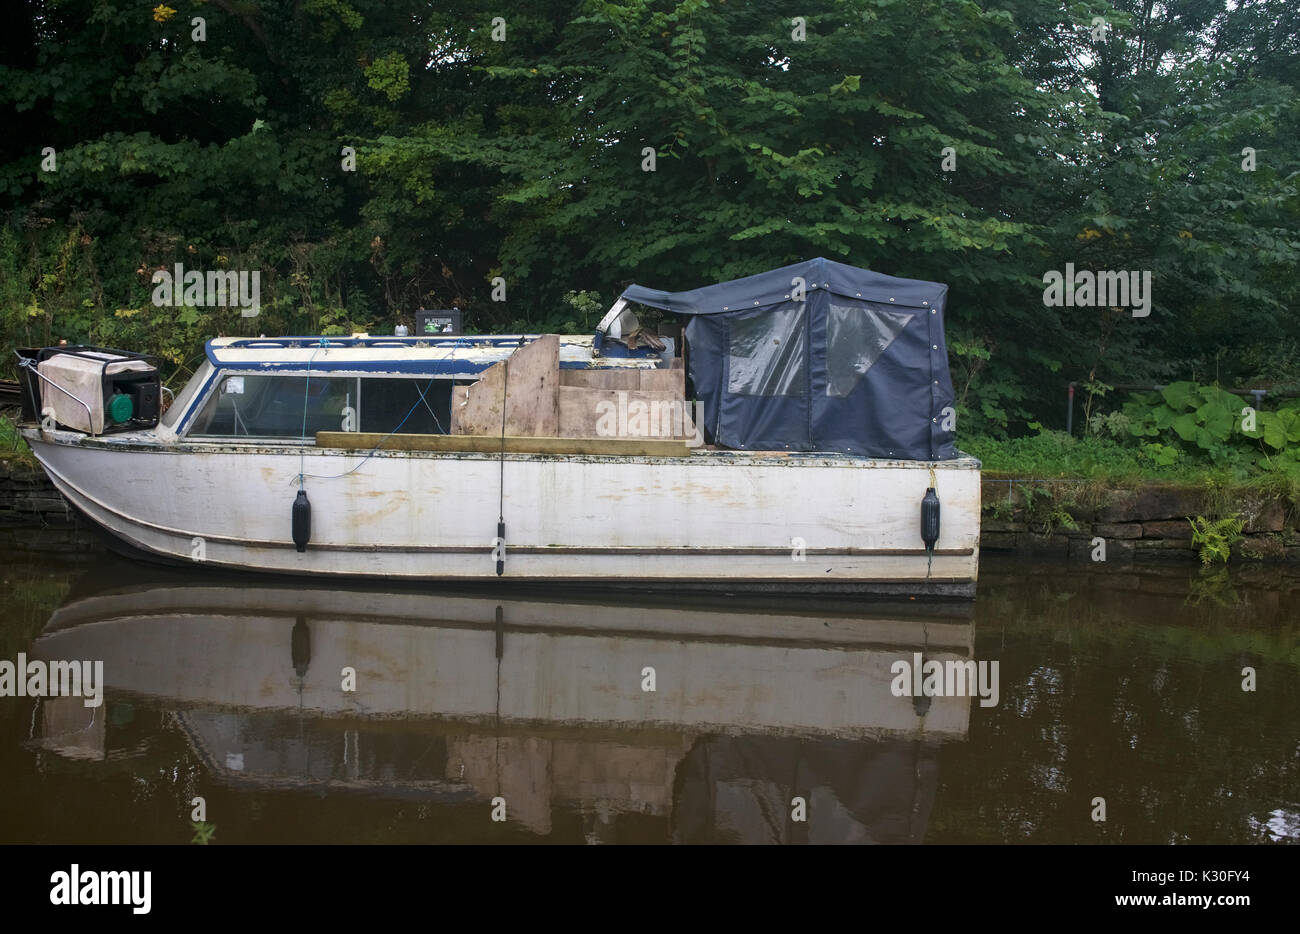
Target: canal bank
column 1141, row 522
column 34, row 516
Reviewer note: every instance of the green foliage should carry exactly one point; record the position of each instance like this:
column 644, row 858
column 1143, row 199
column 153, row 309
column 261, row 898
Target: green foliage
column 987, row 403
column 1110, row 424
column 1215, row 537
column 1045, row 507
column 389, row 74
column 1060, row 517
column 12, row 445
column 523, row 159
column 1161, row 455
column 1209, row 423
column 1056, row 454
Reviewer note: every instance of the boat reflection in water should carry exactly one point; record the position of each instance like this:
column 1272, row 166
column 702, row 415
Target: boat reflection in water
column 546, row 703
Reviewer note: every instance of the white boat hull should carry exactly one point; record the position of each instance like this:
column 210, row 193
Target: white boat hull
column 713, row 519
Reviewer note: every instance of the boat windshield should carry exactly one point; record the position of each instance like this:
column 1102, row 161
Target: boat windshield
column 182, row 401
column 293, row 406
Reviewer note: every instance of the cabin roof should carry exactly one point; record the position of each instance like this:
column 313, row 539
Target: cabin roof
column 465, row 355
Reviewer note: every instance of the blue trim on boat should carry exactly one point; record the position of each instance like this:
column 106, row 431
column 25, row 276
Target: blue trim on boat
column 195, row 403
column 614, row 351
column 450, row 367
column 461, row 340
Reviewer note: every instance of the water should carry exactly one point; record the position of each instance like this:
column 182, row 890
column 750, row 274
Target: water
column 466, row 707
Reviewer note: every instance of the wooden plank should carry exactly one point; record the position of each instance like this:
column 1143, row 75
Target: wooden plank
column 627, row 378
column 531, row 382
column 476, row 408
column 532, row 389
column 621, row 378
column 514, row 444
column 604, row 413
column 673, row 381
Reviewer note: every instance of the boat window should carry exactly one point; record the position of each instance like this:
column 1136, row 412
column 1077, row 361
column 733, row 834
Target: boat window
column 256, row 405
column 182, row 400
column 856, row 336
column 407, row 406
column 768, row 352
column 260, row 406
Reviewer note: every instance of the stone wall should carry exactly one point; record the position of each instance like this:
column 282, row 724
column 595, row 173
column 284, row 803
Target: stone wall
column 34, row 516
column 1142, row 525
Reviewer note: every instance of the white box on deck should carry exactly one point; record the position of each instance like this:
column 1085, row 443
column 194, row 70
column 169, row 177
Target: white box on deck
column 83, row 378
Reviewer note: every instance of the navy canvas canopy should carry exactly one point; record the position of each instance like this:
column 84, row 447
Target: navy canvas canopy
column 819, row 356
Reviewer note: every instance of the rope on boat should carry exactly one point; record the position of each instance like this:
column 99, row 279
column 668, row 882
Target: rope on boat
column 460, row 342
column 28, row 363
column 380, row 442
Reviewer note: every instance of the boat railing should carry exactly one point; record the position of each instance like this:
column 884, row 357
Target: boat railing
column 30, row 365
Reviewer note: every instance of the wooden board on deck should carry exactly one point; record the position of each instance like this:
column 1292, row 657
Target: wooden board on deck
column 609, row 378
column 673, row 381
column 514, row 444
column 600, row 413
column 626, row 378
column 530, row 378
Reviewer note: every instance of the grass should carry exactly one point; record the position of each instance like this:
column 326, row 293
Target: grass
column 12, row 445
column 1058, row 474
column 1056, row 455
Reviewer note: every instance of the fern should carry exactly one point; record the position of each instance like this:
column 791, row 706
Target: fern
column 1215, row 537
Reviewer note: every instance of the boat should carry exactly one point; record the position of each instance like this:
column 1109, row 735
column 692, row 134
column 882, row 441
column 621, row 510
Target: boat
column 795, row 435
column 461, row 700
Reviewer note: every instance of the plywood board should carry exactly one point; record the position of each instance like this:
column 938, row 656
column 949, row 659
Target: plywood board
column 604, row 413
column 626, row 378
column 673, row 381
column 608, row 378
column 533, row 382
column 530, row 380
column 476, row 408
